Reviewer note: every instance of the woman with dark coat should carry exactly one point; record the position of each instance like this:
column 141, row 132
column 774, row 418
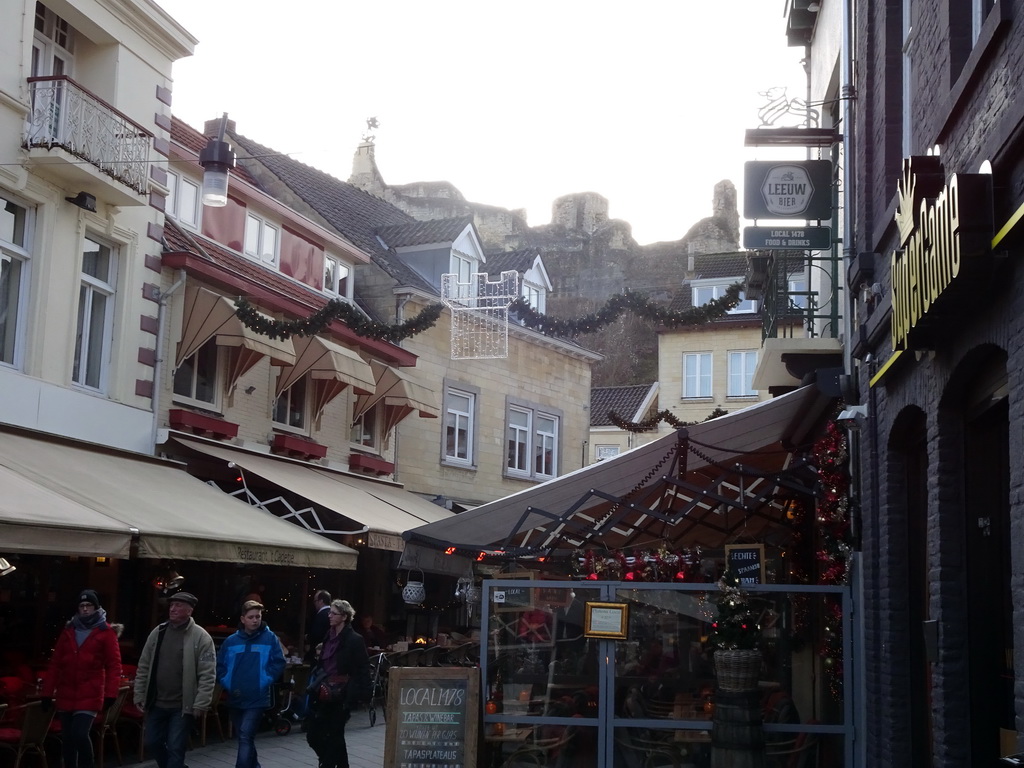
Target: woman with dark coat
column 84, row 676
column 343, row 655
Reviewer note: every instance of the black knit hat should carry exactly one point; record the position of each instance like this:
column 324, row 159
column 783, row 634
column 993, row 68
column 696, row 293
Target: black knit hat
column 89, row 596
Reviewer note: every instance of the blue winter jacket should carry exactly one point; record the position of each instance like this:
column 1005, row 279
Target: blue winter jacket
column 247, row 667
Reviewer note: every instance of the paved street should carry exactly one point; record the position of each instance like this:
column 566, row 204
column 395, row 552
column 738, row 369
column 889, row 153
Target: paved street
column 365, row 748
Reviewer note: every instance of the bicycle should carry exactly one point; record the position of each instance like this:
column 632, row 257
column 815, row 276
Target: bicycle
column 379, row 687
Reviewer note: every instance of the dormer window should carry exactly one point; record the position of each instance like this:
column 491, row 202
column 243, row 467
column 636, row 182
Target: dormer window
column 535, row 296
column 337, row 277
column 705, row 291
column 463, row 267
column 261, row 239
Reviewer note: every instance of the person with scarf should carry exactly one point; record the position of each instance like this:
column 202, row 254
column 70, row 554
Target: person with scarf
column 343, row 658
column 248, row 664
column 84, row 676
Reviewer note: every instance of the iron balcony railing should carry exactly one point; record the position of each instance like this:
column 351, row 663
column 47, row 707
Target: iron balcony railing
column 67, row 116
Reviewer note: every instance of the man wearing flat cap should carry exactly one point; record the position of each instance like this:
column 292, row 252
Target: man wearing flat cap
column 175, row 679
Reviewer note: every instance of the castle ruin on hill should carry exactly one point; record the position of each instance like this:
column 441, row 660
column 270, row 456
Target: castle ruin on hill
column 588, row 255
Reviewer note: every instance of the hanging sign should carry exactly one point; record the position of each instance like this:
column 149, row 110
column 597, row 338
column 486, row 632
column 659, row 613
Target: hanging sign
column 432, row 717
column 746, row 561
column 788, row 238
column 787, row 190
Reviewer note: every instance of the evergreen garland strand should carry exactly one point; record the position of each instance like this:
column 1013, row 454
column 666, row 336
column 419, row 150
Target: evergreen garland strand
column 336, row 309
column 650, row 423
column 637, row 303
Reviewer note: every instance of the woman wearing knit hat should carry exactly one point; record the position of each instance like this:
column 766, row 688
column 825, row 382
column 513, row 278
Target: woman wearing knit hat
column 84, row 675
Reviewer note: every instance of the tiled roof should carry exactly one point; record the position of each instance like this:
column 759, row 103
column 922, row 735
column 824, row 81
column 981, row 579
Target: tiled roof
column 423, row 232
column 503, row 261
column 624, row 401
column 177, row 240
column 707, row 266
column 355, row 214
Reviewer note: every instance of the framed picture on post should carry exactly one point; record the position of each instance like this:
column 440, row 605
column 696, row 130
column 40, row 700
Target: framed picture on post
column 610, row 620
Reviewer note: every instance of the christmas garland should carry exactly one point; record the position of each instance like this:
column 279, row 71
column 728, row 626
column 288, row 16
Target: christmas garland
column 636, row 303
column 657, row 565
column 336, row 309
column 831, row 454
column 665, row 415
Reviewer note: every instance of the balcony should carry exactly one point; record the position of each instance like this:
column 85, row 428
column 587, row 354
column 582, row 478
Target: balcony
column 69, row 125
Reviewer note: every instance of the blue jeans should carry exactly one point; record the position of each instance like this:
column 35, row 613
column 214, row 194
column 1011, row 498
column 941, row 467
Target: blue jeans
column 167, row 732
column 246, row 722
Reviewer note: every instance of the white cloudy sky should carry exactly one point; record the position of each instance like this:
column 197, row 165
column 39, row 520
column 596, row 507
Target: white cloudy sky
column 515, row 103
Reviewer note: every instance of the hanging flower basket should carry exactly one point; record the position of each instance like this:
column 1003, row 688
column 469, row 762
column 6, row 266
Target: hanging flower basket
column 414, row 593
column 738, row 670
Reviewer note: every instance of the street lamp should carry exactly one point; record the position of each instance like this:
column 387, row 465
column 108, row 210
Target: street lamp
column 217, row 158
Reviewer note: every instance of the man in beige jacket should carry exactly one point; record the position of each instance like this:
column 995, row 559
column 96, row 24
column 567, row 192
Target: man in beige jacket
column 175, row 679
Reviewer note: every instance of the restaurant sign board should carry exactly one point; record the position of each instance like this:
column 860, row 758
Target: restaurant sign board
column 945, row 235
column 795, row 189
column 432, row 717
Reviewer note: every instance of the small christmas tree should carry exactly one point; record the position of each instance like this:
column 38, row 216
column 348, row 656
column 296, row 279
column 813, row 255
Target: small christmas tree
column 736, row 626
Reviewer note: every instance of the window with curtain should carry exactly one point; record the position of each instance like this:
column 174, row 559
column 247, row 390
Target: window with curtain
column 697, row 374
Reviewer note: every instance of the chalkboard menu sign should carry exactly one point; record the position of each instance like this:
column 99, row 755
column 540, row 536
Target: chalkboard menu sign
column 432, row 717
column 512, row 598
column 746, row 561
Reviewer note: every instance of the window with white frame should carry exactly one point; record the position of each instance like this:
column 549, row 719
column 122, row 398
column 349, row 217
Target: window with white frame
column 797, row 292
column 15, row 230
column 459, row 424
column 95, row 314
column 337, row 277
column 195, row 380
column 261, row 238
column 463, row 267
column 534, row 295
column 705, row 292
column 183, row 200
column 545, row 446
column 697, row 374
column 53, row 44
column 741, row 373
column 291, row 406
column 532, row 442
column 365, row 430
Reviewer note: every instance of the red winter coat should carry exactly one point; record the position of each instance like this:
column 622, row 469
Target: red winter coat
column 83, row 676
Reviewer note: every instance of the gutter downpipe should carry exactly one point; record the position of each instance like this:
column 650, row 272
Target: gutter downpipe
column 848, row 95
column 158, row 365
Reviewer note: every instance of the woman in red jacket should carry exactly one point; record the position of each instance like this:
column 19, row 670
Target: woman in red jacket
column 84, row 675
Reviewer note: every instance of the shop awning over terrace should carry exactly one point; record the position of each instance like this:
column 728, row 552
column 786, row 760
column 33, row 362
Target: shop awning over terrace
column 386, row 511
column 705, row 485
column 69, row 498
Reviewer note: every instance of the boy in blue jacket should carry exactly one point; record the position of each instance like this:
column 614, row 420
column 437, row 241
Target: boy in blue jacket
column 249, row 662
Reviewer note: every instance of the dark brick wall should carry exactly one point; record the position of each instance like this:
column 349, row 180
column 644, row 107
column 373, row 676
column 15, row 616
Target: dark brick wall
column 971, row 103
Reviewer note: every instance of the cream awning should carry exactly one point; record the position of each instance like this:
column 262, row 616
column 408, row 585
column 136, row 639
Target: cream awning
column 331, row 366
column 38, row 521
column 208, row 315
column 381, row 508
column 82, row 494
column 398, row 397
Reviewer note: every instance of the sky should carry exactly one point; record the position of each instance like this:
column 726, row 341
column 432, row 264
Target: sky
column 515, row 103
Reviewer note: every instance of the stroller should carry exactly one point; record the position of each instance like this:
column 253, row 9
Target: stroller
column 284, row 693
column 379, row 687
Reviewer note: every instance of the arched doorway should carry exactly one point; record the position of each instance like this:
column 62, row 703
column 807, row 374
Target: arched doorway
column 908, row 456
column 986, row 531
